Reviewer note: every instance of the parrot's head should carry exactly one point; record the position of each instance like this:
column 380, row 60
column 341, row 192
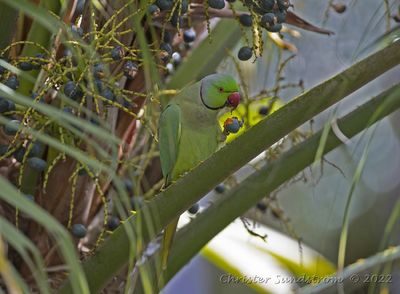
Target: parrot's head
column 218, row 91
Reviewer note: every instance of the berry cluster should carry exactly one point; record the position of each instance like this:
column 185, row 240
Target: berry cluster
column 176, row 15
column 99, row 85
column 267, row 14
column 89, row 81
column 23, row 150
column 76, row 87
column 272, row 13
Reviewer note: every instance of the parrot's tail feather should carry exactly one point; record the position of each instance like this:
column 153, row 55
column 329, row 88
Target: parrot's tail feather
column 167, row 242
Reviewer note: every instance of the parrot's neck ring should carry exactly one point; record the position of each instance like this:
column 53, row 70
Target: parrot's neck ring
column 205, row 104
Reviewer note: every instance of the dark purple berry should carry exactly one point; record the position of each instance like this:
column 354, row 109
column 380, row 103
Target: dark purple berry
column 232, row 125
column 40, row 60
column 37, row 164
column 67, row 52
column 267, row 5
column 189, row 35
column 130, row 69
column 216, row 4
column 35, row 149
column 12, row 82
column 77, row 30
column 25, row 65
column 220, row 188
column 153, row 9
column 263, row 110
column 117, row 53
column 261, row 206
column 6, row 105
column 126, row 104
column 82, row 172
column 80, row 5
column 19, row 154
column 167, row 37
column 176, row 58
column 11, row 127
column 72, row 90
column 245, row 53
column 94, row 121
column 79, row 231
column 3, row 149
column 113, row 223
column 108, row 94
column 34, row 95
column 3, row 105
column 280, row 16
column 165, row 4
column 166, row 50
column 268, row 20
column 194, row 208
column 283, row 5
column 275, row 28
column 176, row 19
column 246, row 20
column 99, row 70
column 11, row 105
column 184, row 6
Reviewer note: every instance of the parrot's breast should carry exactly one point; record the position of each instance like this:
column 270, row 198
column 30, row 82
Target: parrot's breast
column 199, row 138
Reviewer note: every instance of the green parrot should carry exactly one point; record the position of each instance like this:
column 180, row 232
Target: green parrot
column 189, row 132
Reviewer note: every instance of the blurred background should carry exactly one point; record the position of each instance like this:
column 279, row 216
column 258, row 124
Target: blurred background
column 315, row 209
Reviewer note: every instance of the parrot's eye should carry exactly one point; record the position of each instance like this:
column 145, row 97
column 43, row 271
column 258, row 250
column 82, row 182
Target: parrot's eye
column 221, row 90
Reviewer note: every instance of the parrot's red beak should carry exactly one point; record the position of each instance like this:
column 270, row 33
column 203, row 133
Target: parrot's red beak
column 233, row 100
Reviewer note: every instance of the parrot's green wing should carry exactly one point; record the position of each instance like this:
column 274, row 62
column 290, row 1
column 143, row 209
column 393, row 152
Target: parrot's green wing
column 169, row 133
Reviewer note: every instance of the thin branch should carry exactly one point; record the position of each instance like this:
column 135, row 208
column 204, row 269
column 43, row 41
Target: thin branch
column 196, row 13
